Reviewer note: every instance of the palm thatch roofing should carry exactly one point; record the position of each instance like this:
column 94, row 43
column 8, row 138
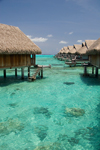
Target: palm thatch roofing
column 84, row 47
column 82, row 50
column 77, row 46
column 14, row 41
column 72, row 51
column 88, row 43
column 66, row 49
column 94, row 49
column 70, row 47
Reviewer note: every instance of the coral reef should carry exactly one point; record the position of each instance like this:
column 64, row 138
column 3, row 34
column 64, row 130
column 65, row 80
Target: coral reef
column 41, row 132
column 42, row 110
column 10, row 126
column 74, row 112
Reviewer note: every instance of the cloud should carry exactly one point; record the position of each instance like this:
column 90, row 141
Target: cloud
column 79, row 41
column 63, row 42
column 70, row 32
column 50, row 35
column 37, row 39
column 29, row 36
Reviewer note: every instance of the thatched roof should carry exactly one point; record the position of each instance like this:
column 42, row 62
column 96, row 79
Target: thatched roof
column 88, row 43
column 82, row 50
column 66, row 50
column 77, row 46
column 70, row 47
column 14, row 41
column 84, row 47
column 72, row 51
column 94, row 49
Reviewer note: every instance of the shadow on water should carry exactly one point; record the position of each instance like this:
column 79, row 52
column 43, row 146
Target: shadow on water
column 15, row 80
column 11, row 80
column 90, row 80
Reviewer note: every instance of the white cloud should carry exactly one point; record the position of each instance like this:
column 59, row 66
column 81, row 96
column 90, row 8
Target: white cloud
column 63, row 42
column 50, row 35
column 71, row 33
column 37, row 39
column 29, row 36
column 40, row 39
column 79, row 41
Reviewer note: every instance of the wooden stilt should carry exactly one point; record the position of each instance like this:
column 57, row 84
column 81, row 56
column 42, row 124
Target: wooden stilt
column 22, row 73
column 39, row 74
column 96, row 73
column 92, row 69
column 85, row 70
column 42, row 72
column 16, row 72
column 28, row 71
column 4, row 71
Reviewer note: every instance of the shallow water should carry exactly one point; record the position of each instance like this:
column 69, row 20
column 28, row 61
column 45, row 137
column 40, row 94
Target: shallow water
column 59, row 112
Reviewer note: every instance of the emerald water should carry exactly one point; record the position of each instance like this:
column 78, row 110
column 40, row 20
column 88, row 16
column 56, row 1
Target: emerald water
column 59, row 112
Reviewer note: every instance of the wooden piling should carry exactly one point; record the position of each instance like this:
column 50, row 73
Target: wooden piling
column 92, row 69
column 28, row 71
column 39, row 74
column 85, row 70
column 96, row 72
column 42, row 72
column 4, row 71
column 22, row 73
column 16, row 72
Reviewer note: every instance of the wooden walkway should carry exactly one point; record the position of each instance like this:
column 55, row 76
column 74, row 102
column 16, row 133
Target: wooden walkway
column 38, row 70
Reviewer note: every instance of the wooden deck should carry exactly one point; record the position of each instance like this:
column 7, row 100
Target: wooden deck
column 77, row 62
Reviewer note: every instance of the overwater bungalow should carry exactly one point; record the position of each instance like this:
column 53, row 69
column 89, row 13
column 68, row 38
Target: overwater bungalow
column 80, row 55
column 82, row 51
column 94, row 55
column 16, row 50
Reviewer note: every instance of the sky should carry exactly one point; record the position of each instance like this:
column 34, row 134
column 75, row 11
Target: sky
column 53, row 24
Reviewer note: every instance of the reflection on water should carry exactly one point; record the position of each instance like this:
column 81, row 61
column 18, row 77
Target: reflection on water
column 59, row 112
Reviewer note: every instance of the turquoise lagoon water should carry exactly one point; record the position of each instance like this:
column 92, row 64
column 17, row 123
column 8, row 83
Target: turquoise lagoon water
column 59, row 112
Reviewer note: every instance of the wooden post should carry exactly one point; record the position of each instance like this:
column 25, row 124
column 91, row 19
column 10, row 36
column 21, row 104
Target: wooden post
column 22, row 73
column 96, row 72
column 39, row 74
column 42, row 72
column 29, row 71
column 92, row 69
column 4, row 72
column 16, row 72
column 85, row 70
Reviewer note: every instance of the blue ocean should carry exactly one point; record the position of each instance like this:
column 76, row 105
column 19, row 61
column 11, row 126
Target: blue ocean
column 61, row 111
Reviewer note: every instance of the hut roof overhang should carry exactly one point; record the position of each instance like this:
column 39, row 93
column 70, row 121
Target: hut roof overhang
column 94, row 49
column 14, row 41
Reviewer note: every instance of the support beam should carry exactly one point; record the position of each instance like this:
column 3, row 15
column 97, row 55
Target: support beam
column 22, row 73
column 42, row 72
column 16, row 72
column 4, row 72
column 92, row 69
column 28, row 71
column 96, row 72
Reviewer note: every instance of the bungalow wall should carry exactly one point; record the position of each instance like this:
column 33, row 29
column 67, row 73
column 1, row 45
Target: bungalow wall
column 16, row 60
column 95, row 60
